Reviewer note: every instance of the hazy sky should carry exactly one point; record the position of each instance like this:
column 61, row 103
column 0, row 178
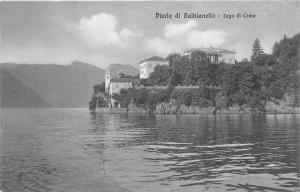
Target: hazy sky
column 102, row 33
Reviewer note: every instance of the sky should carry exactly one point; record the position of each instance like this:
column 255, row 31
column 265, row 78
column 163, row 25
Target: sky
column 101, row 33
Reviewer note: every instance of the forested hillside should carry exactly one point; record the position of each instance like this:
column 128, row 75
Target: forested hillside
column 266, row 77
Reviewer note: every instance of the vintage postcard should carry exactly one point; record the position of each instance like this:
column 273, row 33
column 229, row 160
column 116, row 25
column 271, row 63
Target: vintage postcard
column 149, row 96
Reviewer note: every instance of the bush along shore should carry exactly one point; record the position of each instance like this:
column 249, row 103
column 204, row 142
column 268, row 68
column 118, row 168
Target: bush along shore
column 193, row 101
column 190, row 101
column 271, row 108
column 175, row 108
column 268, row 83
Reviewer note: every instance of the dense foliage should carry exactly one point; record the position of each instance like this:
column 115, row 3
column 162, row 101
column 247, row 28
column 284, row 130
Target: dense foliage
column 266, row 77
column 99, row 88
column 98, row 97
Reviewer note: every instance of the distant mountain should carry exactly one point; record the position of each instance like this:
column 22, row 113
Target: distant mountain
column 115, row 69
column 14, row 93
column 36, row 85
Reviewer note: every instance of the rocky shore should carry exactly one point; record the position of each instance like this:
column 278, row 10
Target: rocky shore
column 173, row 108
column 169, row 108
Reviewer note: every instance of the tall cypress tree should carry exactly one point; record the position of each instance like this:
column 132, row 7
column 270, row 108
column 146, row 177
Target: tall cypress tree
column 256, row 49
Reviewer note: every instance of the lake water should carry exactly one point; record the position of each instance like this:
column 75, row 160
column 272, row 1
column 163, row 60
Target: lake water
column 71, row 150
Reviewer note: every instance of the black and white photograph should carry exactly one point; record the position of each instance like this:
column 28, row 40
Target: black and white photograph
column 150, row 96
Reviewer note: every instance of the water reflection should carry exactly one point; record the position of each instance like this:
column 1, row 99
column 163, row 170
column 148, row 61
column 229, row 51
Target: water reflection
column 71, row 150
column 210, row 150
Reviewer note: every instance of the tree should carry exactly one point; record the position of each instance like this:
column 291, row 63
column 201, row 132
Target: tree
column 189, row 77
column 99, row 88
column 256, row 49
column 122, row 75
column 152, row 102
column 125, row 96
column 174, row 58
column 141, row 97
column 176, row 78
column 276, row 49
column 175, row 62
column 160, row 75
column 206, row 74
column 264, row 60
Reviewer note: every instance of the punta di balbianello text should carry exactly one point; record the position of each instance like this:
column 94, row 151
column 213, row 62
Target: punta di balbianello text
column 179, row 15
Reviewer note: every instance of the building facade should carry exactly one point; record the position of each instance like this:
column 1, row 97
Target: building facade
column 215, row 55
column 121, row 83
column 114, row 85
column 147, row 66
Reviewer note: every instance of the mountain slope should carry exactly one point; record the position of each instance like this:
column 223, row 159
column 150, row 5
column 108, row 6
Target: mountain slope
column 56, row 85
column 14, row 93
column 115, row 69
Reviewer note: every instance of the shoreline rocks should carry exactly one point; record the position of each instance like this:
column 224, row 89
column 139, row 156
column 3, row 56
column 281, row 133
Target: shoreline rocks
column 164, row 108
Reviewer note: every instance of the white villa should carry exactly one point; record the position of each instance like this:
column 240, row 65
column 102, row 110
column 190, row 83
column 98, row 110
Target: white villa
column 216, row 55
column 147, row 65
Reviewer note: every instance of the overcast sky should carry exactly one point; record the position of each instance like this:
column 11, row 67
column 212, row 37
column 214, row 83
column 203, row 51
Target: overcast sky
column 102, row 33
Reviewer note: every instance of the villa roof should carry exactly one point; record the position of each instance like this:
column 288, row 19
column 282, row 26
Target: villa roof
column 210, row 50
column 125, row 80
column 155, row 58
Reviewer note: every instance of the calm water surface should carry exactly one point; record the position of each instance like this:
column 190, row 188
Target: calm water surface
column 66, row 150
